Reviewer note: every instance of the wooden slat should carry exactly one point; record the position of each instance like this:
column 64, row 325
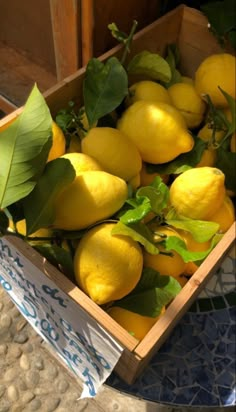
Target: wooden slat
column 87, row 26
column 6, row 106
column 65, row 23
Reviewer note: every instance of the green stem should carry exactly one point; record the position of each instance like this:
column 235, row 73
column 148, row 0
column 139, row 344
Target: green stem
column 128, row 42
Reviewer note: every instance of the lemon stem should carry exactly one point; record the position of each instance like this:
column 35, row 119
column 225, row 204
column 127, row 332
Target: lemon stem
column 128, row 42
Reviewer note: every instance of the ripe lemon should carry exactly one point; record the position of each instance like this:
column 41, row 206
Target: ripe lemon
column 216, row 70
column 92, row 196
column 81, row 162
column 198, row 193
column 206, row 133
column 58, row 147
column 137, row 325
column 225, row 215
column 147, row 90
column 107, row 267
column 147, row 178
column 135, row 181
column 157, row 129
column 208, row 158
column 164, row 264
column 185, row 98
column 116, row 153
column 21, row 228
column 187, row 79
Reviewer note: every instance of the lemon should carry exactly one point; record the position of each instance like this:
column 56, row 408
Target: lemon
column 162, row 263
column 217, row 70
column 135, row 181
column 225, row 215
column 81, row 162
column 147, row 178
column 58, row 147
column 137, row 325
column 206, row 133
column 191, row 244
column 116, row 153
column 157, row 129
column 147, row 90
column 92, row 196
column 42, row 232
column 185, row 98
column 198, row 193
column 107, row 267
column 187, row 79
column 208, row 158
column 75, row 145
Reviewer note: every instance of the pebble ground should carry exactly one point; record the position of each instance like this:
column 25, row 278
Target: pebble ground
column 33, row 379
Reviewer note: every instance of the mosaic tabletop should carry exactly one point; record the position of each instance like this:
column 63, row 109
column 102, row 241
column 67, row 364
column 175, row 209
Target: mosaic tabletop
column 196, row 364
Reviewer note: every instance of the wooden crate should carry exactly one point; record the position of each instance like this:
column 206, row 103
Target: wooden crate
column 188, row 29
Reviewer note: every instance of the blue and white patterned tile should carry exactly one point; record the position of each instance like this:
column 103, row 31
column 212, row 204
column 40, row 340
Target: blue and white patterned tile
column 196, row 364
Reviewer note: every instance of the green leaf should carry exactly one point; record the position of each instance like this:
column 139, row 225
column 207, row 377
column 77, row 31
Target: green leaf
column 173, row 59
column 104, row 88
column 226, row 162
column 58, row 257
column 117, row 34
column 183, row 162
column 138, row 232
column 179, row 246
column 151, row 65
column 153, row 292
column 232, row 105
column 201, row 230
column 39, row 205
column 24, row 148
column 138, row 213
column 157, row 193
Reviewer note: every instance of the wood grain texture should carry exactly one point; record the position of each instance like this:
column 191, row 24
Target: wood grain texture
column 65, row 28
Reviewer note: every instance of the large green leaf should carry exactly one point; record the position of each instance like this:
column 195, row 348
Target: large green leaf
column 152, row 293
column 104, row 88
column 24, row 148
column 151, row 65
column 39, row 204
column 226, row 161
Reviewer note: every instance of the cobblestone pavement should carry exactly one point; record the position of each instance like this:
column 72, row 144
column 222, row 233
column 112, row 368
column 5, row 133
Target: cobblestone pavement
column 33, row 379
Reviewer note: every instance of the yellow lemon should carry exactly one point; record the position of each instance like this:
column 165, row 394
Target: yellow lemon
column 107, row 267
column 157, row 129
column 217, row 70
column 197, row 193
column 81, row 162
column 58, row 147
column 137, row 325
column 116, row 153
column 147, row 90
column 164, row 264
column 208, row 158
column 206, row 133
column 185, row 98
column 147, row 178
column 92, row 196
column 187, row 79
column 135, row 181
column 191, row 244
column 75, row 145
column 225, row 215
column 42, row 232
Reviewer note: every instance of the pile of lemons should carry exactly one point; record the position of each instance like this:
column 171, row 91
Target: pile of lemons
column 155, row 127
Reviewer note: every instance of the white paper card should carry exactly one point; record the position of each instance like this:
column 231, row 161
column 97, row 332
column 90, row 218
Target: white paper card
column 86, row 348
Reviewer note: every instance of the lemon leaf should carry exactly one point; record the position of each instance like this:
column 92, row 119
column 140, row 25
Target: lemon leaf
column 58, row 257
column 151, row 65
column 138, row 232
column 153, row 292
column 24, row 148
column 179, row 246
column 183, row 162
column 232, row 105
column 138, row 213
column 226, row 162
column 105, row 86
column 201, row 230
column 39, row 204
